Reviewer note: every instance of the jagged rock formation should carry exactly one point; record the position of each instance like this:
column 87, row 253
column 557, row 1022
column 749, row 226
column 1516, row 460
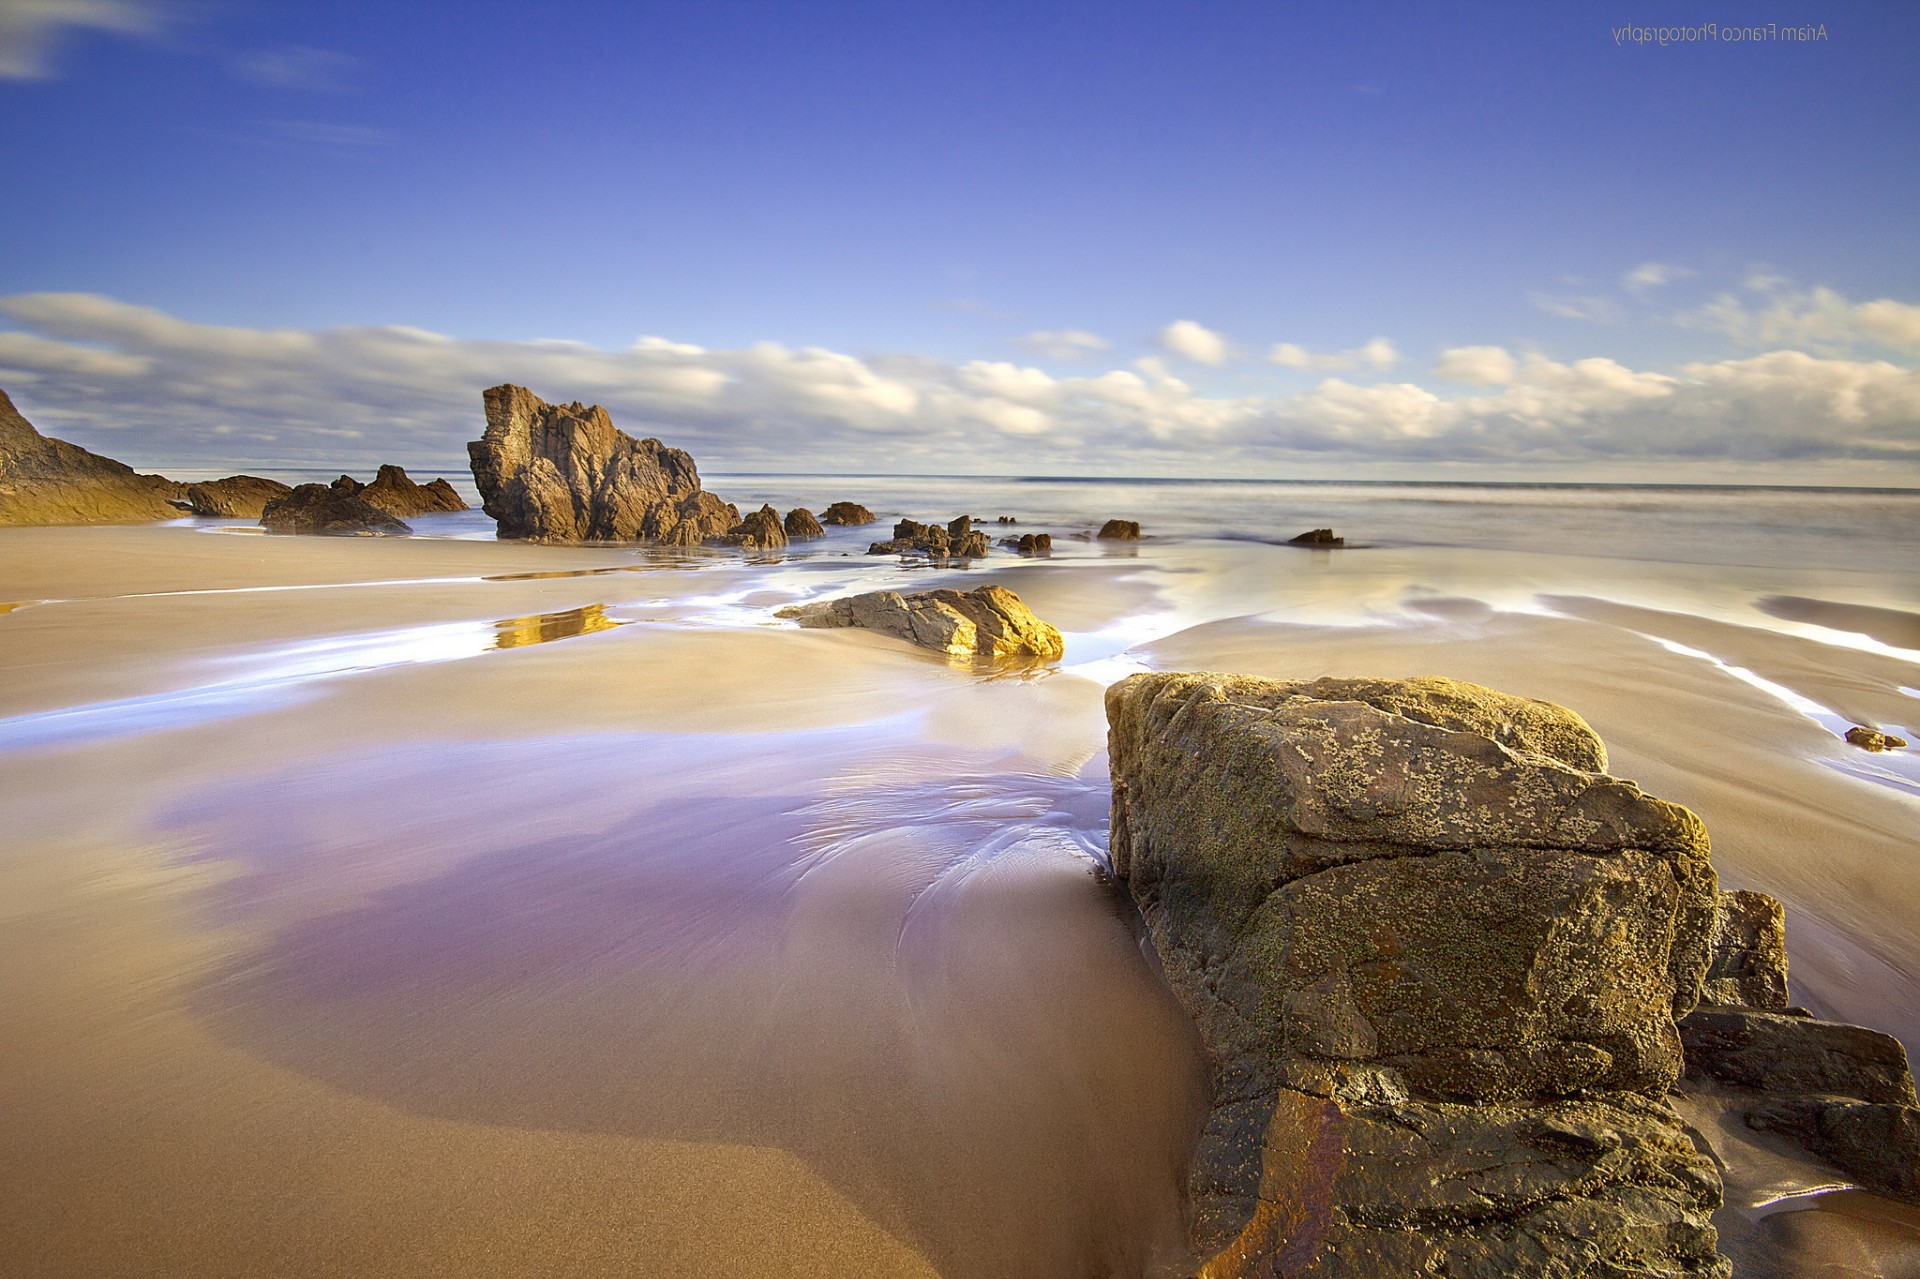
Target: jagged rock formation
column 760, row 531
column 1843, row 1093
column 400, row 497
column 338, row 508
column 1030, row 543
column 1436, row 957
column 801, row 526
column 238, row 497
column 958, row 540
column 1119, row 531
column 1317, row 537
column 48, row 481
column 989, row 622
column 847, row 513
column 563, row 473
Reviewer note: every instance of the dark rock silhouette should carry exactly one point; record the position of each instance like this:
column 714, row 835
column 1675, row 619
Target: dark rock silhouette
column 1317, row 537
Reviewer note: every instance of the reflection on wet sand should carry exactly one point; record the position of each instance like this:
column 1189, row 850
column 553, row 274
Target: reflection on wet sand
column 8, row 608
column 900, row 968
column 543, row 628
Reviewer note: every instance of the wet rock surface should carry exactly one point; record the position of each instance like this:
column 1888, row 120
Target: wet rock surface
column 958, row 539
column 49, row 481
column 564, row 473
column 1436, row 957
column 761, row 530
column 336, row 509
column 1119, row 531
column 237, row 497
column 988, row 622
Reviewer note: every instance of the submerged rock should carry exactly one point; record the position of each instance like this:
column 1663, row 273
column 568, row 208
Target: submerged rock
column 1872, row 739
column 847, row 513
column 400, row 497
column 337, row 508
column 238, row 497
column 1317, row 537
column 1436, row 957
column 1119, row 531
column 563, row 473
column 801, row 526
column 760, row 531
column 49, row 481
column 989, row 622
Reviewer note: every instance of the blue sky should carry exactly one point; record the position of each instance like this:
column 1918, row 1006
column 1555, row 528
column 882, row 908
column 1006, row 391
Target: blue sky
column 1367, row 240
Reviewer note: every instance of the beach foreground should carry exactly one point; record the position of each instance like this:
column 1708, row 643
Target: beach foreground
column 442, row 906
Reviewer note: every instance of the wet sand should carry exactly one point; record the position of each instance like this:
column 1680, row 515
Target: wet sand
column 507, row 909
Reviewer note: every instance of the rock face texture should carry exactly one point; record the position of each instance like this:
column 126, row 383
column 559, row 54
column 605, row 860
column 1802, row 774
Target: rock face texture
column 958, row 540
column 1843, row 1093
column 1119, row 531
column 337, row 509
column 48, row 481
column 1436, row 956
column 760, row 531
column 989, row 622
column 563, row 473
column 400, row 497
column 801, row 526
column 238, row 497
column 847, row 513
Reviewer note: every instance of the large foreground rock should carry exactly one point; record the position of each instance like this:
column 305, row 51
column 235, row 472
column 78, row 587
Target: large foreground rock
column 563, row 473
column 1436, row 957
column 989, row 622
column 238, row 497
column 48, row 481
column 336, row 509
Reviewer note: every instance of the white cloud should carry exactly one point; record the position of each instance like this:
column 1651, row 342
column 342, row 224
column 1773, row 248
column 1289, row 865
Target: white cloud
column 299, row 67
column 1593, row 310
column 158, row 390
column 1649, row 276
column 31, row 30
column 1476, row 365
column 1064, row 344
column 1378, row 353
column 1822, row 319
column 1195, row 342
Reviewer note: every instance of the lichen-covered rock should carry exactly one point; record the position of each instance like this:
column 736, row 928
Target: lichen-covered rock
column 847, row 513
column 1119, row 531
column 393, row 492
column 759, row 531
column 989, row 622
column 563, row 473
column 1748, row 967
column 1436, row 956
column 801, row 526
column 337, row 509
column 238, row 497
column 49, row 481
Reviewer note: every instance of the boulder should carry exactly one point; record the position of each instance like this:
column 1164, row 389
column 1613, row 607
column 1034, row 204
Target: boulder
column 1317, row 537
column 337, row 509
column 1748, row 967
column 847, row 513
column 801, row 526
column 1872, row 739
column 1436, row 956
column 563, row 473
column 1119, row 531
column 1030, row 543
column 238, row 497
column 49, row 481
column 989, row 622
column 393, row 492
column 760, row 531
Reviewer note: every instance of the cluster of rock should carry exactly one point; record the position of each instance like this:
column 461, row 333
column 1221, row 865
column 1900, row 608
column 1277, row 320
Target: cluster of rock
column 347, row 506
column 956, row 540
column 1437, row 957
column 49, row 481
column 990, row 622
column 1119, row 531
column 1843, row 1093
column 564, row 473
column 1029, row 544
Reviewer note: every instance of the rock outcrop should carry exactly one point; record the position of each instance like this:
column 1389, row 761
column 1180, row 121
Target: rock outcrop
column 1317, row 537
column 393, row 492
column 238, row 497
column 49, row 481
column 759, row 531
column 847, row 513
column 801, row 526
column 337, row 509
column 1436, row 957
column 564, row 473
column 1119, row 531
column 989, row 622
column 1843, row 1093
column 958, row 540
column 1030, row 544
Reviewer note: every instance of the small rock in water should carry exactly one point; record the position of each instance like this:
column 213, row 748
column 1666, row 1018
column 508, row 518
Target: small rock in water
column 760, row 531
column 1030, row 543
column 1119, row 531
column 1006, row 519
column 847, row 514
column 801, row 526
column 958, row 540
column 1317, row 537
column 1871, row 739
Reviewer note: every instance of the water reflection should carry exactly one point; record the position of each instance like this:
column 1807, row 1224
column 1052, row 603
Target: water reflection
column 543, row 628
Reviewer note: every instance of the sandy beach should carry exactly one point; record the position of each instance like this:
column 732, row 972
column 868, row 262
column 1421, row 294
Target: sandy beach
column 443, row 906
